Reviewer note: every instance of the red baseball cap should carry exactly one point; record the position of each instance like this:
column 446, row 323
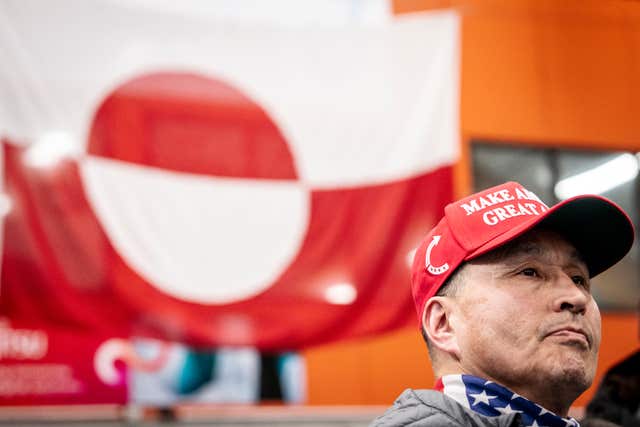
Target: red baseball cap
column 598, row 228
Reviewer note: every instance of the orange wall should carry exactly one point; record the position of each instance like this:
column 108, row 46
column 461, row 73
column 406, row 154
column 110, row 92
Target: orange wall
column 552, row 72
column 543, row 72
column 548, row 72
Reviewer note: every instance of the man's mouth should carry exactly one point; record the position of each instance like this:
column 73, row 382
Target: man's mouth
column 571, row 333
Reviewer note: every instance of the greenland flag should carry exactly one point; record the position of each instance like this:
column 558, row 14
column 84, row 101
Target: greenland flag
column 226, row 175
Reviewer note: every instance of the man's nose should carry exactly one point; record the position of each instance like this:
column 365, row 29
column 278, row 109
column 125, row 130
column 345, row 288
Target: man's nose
column 570, row 296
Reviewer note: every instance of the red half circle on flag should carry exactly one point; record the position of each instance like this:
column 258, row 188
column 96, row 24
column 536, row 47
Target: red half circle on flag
column 190, row 123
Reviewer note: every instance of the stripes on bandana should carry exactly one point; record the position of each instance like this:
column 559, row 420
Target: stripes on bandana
column 491, row 399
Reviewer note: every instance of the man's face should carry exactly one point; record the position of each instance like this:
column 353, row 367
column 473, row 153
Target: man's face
column 526, row 315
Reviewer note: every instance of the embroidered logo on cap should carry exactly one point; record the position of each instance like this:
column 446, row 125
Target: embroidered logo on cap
column 427, row 259
column 523, row 202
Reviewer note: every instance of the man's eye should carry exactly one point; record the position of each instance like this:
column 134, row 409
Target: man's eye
column 579, row 280
column 531, row 272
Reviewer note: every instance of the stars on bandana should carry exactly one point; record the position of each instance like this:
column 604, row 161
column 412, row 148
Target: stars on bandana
column 481, row 398
column 507, row 410
column 542, row 411
column 492, row 400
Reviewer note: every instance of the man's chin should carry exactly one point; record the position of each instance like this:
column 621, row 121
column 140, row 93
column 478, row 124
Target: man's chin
column 571, row 371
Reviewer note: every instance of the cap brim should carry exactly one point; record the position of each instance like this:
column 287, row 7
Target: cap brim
column 598, row 228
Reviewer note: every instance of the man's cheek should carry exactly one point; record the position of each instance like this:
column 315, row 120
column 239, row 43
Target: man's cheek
column 596, row 325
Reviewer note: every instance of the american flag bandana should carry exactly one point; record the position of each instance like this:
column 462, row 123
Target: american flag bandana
column 491, row 399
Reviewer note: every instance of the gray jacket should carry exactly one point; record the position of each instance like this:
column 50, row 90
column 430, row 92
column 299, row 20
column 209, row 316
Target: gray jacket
column 426, row 408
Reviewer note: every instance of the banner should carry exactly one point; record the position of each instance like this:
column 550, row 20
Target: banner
column 221, row 180
column 54, row 366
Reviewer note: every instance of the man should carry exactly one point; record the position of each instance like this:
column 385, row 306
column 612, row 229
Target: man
column 502, row 290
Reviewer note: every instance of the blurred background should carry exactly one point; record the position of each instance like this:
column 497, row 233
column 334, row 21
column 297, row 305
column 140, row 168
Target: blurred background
column 210, row 207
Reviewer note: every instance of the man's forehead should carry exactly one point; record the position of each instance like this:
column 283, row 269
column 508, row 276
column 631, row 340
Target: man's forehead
column 536, row 243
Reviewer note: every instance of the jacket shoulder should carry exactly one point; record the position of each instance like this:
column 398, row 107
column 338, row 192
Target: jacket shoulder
column 427, row 408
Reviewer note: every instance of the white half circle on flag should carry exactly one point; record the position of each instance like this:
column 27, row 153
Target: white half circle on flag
column 198, row 238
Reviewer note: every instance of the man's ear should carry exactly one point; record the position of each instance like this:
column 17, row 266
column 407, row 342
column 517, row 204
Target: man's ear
column 436, row 321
